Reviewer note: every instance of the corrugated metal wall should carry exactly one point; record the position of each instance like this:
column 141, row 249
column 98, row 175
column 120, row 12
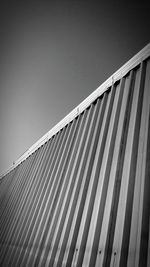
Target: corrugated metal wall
column 83, row 198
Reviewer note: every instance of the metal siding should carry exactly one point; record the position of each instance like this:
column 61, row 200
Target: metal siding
column 82, row 198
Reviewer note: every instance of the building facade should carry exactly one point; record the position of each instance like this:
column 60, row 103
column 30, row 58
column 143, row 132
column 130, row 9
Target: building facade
column 80, row 196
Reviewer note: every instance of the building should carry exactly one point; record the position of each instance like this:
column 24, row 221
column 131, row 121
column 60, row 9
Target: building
column 81, row 195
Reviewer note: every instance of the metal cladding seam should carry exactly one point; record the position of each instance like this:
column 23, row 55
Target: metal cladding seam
column 83, row 197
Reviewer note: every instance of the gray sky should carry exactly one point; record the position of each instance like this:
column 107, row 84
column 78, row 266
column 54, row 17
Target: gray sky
column 53, row 55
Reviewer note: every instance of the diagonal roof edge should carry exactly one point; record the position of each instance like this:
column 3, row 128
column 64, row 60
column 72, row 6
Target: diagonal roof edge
column 133, row 62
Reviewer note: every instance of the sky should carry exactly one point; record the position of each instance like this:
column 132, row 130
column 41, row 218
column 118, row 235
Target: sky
column 53, row 55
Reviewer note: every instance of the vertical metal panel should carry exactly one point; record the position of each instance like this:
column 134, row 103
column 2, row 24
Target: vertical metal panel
column 82, row 198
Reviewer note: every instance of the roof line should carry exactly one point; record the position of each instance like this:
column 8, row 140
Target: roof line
column 133, row 62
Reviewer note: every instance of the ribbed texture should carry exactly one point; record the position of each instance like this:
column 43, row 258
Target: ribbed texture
column 83, row 198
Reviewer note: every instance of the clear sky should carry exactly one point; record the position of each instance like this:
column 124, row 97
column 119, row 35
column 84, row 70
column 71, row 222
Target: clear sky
column 53, row 55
